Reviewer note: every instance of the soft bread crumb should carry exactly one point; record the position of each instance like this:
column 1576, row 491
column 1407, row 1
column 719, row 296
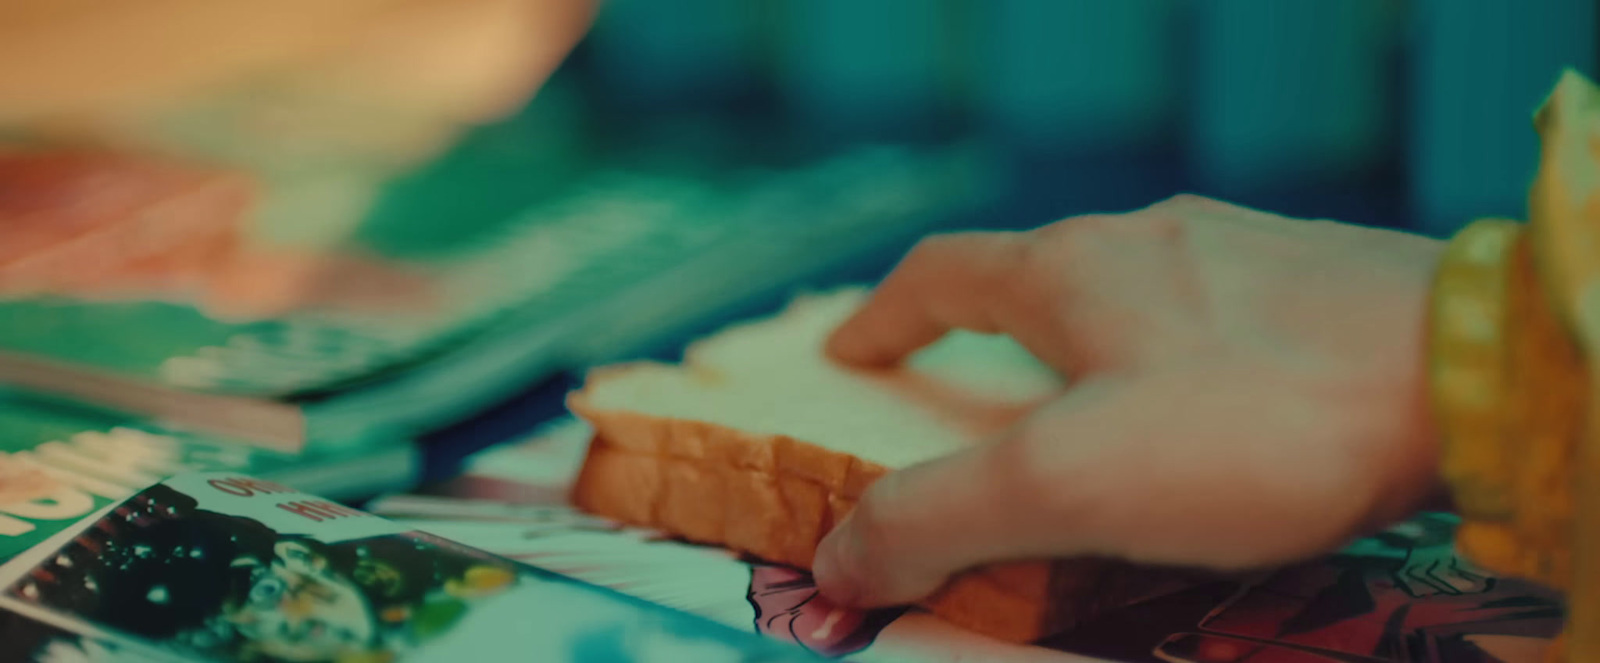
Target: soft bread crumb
column 770, row 377
column 762, row 445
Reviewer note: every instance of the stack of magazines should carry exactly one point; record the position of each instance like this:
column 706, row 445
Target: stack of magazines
column 502, row 264
column 494, row 565
column 178, row 484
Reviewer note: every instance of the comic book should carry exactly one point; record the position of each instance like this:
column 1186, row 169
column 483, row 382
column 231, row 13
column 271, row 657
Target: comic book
column 59, row 463
column 224, row 567
column 1401, row 596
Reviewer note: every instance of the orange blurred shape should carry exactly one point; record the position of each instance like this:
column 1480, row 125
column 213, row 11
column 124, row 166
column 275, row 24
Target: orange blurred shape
column 22, row 482
column 103, row 225
column 467, row 58
column 82, row 220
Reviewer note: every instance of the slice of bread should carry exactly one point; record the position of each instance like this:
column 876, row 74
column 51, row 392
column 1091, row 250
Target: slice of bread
column 759, row 443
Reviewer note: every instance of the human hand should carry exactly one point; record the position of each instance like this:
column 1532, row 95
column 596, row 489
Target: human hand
column 1247, row 390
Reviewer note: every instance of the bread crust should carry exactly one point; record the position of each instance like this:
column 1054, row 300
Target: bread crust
column 775, row 497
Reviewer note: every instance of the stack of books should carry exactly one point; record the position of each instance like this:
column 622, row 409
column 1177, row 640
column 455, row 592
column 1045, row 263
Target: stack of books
column 620, row 254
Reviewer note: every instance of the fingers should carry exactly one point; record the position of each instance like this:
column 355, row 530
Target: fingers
column 904, row 538
column 917, row 526
column 957, row 281
column 1095, row 474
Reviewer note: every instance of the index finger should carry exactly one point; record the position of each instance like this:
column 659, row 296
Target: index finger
column 971, row 281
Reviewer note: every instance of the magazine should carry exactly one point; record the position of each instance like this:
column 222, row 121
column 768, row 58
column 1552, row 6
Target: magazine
column 225, row 567
column 1400, row 596
column 59, row 463
column 475, row 300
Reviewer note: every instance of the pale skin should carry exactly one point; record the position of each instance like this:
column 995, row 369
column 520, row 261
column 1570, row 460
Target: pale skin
column 1248, row 390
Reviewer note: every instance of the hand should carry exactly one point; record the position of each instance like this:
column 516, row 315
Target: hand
column 1248, row 390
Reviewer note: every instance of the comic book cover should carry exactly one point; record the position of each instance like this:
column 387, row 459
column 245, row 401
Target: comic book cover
column 1401, row 596
column 223, row 567
column 60, row 463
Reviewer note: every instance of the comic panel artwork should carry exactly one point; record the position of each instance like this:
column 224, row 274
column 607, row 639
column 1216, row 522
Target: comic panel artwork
column 1402, row 596
column 773, row 600
column 206, row 567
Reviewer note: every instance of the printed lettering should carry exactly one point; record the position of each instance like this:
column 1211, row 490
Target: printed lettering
column 71, row 459
column 243, row 487
column 309, row 510
column 132, row 449
column 83, row 482
column 14, row 527
column 60, row 505
column 318, row 511
column 231, row 487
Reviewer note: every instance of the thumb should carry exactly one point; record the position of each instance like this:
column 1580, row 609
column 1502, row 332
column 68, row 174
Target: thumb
column 917, row 526
column 1224, row 478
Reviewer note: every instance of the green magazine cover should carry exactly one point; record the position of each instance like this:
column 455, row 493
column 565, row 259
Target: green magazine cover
column 59, row 463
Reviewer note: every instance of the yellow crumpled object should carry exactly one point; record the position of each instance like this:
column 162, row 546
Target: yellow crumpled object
column 1515, row 326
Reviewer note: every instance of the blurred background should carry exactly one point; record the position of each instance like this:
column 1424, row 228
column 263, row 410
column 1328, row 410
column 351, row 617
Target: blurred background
column 1404, row 113
column 422, row 220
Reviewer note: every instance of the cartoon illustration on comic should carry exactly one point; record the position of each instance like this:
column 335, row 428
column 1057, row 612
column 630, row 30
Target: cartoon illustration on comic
column 1401, row 596
column 788, row 607
column 230, row 568
column 162, row 568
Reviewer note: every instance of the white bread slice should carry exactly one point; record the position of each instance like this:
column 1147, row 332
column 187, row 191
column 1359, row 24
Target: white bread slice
column 759, row 443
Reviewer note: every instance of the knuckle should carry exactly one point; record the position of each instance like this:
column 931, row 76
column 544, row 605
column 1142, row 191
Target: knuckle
column 998, row 255
column 939, row 245
column 1077, row 234
column 1185, row 200
column 933, row 254
column 1029, row 283
column 1189, row 202
column 1065, row 247
column 1049, row 245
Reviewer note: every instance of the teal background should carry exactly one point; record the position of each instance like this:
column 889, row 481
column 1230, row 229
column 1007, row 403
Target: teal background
column 1403, row 113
